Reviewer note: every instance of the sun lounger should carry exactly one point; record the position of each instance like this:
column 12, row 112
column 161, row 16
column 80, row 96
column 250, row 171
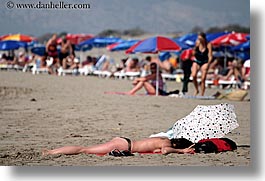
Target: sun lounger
column 11, row 67
column 35, row 70
column 63, row 72
column 232, row 83
column 167, row 76
column 102, row 74
column 119, row 75
column 132, row 75
column 126, row 75
column 6, row 67
column 86, row 70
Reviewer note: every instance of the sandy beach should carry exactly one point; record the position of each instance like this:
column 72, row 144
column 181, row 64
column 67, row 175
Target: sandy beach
column 44, row 111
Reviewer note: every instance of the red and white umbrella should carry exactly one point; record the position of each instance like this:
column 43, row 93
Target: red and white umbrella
column 230, row 39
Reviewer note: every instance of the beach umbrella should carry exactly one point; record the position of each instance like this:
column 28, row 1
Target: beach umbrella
column 242, row 55
column 75, row 39
column 131, row 49
column 188, row 39
column 230, row 39
column 11, row 45
column 2, row 37
column 78, row 38
column 39, row 50
column 100, row 41
column 204, row 122
column 187, row 54
column 181, row 44
column 155, row 44
column 83, row 48
column 19, row 37
column 242, row 47
column 124, row 45
column 212, row 36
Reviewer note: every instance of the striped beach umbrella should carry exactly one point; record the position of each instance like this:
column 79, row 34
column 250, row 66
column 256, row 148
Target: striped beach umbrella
column 19, row 37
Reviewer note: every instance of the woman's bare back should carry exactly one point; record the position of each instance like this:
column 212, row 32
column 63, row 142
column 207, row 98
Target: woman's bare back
column 150, row 145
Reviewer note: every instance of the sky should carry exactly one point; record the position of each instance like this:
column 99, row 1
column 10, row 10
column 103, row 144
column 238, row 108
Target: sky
column 155, row 16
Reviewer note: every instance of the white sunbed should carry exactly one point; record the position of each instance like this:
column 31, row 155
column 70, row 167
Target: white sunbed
column 127, row 75
column 35, row 70
column 102, row 74
column 10, row 67
column 63, row 72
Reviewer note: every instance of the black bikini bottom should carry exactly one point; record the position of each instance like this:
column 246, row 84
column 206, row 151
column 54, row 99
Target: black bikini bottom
column 129, row 143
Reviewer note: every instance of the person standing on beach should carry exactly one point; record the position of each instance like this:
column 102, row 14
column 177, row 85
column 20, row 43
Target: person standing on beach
column 203, row 58
column 186, row 64
column 52, row 54
column 66, row 50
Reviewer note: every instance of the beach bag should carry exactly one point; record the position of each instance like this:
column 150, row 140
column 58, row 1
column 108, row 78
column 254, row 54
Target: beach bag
column 215, row 145
column 236, row 95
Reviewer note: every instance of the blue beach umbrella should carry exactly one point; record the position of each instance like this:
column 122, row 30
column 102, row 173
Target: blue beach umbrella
column 124, row 45
column 242, row 47
column 190, row 39
column 100, row 41
column 11, row 45
column 242, row 55
column 39, row 50
column 212, row 36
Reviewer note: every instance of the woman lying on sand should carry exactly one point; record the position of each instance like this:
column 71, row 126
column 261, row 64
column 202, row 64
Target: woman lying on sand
column 149, row 145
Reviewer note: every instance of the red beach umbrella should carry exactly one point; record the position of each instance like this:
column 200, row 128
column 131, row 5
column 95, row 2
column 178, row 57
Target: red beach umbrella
column 77, row 38
column 187, row 54
column 230, row 39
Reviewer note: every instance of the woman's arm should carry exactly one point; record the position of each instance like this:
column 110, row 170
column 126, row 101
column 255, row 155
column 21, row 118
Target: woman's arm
column 167, row 150
column 210, row 53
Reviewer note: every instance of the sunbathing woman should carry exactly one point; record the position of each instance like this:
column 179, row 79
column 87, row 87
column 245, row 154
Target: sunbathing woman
column 148, row 82
column 148, row 145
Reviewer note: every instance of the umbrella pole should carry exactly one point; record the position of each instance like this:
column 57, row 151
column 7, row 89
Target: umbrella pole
column 157, row 73
column 225, row 60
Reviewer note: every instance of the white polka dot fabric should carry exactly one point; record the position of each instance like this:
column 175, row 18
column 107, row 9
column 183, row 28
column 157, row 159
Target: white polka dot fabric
column 204, row 122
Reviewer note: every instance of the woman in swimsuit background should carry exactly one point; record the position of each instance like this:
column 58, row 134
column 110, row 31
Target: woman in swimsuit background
column 148, row 145
column 203, row 54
